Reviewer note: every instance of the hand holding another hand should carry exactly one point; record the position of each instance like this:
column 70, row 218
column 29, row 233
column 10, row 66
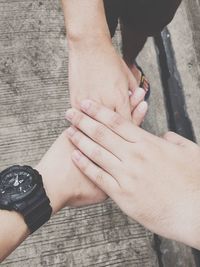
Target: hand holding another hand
column 64, row 182
column 102, row 76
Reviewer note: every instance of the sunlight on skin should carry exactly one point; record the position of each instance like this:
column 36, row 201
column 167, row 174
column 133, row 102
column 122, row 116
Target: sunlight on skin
column 157, row 190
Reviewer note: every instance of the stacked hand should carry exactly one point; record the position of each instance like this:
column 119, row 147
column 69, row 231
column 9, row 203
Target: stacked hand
column 154, row 180
column 102, row 76
column 65, row 184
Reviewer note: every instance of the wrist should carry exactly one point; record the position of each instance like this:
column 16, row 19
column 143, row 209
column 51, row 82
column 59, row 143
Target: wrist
column 57, row 170
column 57, row 201
column 85, row 20
column 76, row 40
column 13, row 232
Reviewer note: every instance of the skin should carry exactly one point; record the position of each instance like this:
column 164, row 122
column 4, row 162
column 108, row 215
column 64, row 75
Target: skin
column 155, row 181
column 102, row 74
column 65, row 186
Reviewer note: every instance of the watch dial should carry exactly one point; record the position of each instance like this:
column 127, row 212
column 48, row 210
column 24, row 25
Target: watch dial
column 17, row 182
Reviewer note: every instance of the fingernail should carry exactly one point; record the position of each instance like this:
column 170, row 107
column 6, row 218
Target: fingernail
column 70, row 131
column 142, row 106
column 76, row 155
column 85, row 104
column 69, row 114
column 130, row 92
column 139, row 92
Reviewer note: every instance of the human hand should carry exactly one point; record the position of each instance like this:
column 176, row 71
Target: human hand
column 65, row 184
column 97, row 72
column 156, row 181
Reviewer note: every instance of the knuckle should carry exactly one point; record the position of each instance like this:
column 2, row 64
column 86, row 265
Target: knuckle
column 169, row 134
column 99, row 177
column 96, row 153
column 94, row 110
column 84, row 165
column 76, row 138
column 115, row 121
column 99, row 132
column 140, row 152
column 77, row 119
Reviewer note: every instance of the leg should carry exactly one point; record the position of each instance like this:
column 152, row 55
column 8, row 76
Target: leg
column 132, row 43
column 112, row 14
column 140, row 19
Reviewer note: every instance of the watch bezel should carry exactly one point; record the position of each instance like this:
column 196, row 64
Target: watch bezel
column 8, row 202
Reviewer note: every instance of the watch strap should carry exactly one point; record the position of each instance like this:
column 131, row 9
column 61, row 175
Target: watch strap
column 36, row 211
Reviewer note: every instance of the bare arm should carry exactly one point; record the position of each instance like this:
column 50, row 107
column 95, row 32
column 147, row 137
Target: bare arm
column 13, row 231
column 65, row 186
column 96, row 71
column 84, row 19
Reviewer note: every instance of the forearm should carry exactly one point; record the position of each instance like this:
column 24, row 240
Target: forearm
column 13, row 231
column 64, row 184
column 85, row 19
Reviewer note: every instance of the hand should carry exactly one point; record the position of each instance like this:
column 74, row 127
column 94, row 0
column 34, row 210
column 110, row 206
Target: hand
column 156, row 181
column 64, row 182
column 96, row 71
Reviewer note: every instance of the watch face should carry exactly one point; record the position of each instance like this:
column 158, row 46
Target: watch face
column 16, row 183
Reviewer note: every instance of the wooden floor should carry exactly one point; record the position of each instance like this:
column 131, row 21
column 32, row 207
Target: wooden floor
column 33, row 98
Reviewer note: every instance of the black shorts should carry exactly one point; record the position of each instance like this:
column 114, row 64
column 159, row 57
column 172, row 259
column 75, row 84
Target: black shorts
column 144, row 16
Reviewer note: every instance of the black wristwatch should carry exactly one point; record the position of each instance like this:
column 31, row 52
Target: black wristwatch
column 21, row 190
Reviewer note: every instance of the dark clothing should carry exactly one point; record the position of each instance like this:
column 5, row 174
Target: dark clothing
column 146, row 16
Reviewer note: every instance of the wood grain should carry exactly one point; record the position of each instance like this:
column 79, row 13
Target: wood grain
column 33, row 98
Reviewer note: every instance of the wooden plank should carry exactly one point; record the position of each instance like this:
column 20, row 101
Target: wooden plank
column 187, row 52
column 170, row 253
column 156, row 120
column 33, row 99
column 173, row 253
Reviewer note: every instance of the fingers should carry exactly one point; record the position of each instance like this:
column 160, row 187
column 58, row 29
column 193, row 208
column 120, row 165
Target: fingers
column 93, row 151
column 137, row 97
column 112, row 120
column 97, row 131
column 175, row 139
column 139, row 113
column 133, row 85
column 138, row 108
column 97, row 175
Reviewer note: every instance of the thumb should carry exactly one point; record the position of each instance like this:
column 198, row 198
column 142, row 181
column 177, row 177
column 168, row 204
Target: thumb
column 176, row 139
column 133, row 85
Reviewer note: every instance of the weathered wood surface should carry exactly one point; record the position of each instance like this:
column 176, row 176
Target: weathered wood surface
column 185, row 35
column 33, row 99
column 186, row 42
